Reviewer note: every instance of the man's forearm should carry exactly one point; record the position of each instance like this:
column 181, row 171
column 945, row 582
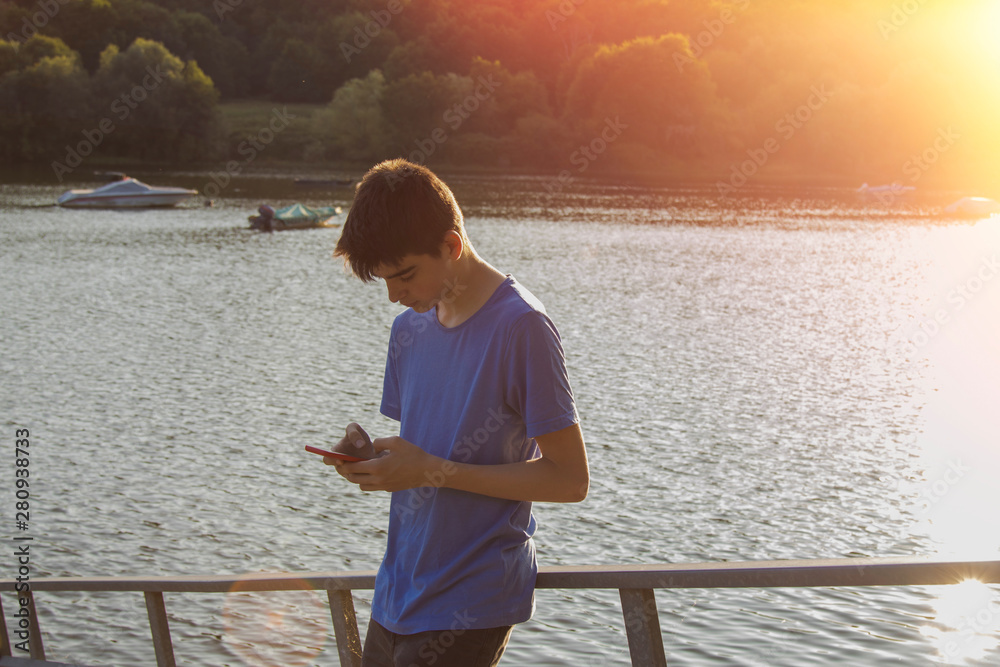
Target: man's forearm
column 539, row 480
column 560, row 475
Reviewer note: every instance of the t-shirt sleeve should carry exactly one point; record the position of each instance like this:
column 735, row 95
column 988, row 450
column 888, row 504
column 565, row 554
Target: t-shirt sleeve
column 391, row 406
column 537, row 385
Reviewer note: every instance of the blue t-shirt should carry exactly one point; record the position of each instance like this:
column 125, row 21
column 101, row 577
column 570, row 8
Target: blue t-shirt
column 476, row 393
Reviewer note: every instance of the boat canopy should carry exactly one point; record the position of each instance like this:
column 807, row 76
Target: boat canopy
column 302, row 212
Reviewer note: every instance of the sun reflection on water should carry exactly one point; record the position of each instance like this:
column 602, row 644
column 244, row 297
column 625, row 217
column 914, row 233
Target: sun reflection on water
column 286, row 628
column 959, row 493
column 966, row 624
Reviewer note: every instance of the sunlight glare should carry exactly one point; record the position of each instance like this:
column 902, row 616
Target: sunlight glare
column 285, row 628
column 966, row 624
column 982, row 28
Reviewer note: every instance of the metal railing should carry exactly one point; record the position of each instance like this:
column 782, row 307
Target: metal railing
column 635, row 584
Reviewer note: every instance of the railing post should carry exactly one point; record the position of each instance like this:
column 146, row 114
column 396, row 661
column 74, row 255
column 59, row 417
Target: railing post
column 345, row 627
column 35, row 637
column 35, row 647
column 642, row 625
column 160, row 629
column 4, row 639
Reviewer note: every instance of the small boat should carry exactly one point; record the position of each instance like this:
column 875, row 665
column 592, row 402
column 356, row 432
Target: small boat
column 974, row 206
column 296, row 216
column 891, row 190
column 125, row 193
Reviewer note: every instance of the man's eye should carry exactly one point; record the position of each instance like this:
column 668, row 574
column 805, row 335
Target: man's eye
column 407, row 278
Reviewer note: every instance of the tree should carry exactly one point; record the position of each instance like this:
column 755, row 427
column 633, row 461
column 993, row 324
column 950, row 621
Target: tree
column 8, row 56
column 656, row 88
column 162, row 107
column 411, row 57
column 42, row 46
column 44, row 104
column 87, row 26
column 512, row 96
column 414, row 109
column 137, row 18
column 352, row 127
column 224, row 59
column 356, row 43
column 299, row 74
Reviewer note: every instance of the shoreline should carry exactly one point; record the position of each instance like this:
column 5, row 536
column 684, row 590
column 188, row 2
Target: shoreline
column 696, row 178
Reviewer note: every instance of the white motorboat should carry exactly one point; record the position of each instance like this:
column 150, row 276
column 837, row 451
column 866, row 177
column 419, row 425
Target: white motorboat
column 974, row 207
column 126, row 193
column 893, row 189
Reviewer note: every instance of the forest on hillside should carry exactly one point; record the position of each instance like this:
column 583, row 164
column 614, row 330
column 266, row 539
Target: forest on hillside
column 854, row 90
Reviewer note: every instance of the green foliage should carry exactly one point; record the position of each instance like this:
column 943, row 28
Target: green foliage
column 143, row 101
column 700, row 82
column 8, row 56
column 412, row 107
column 222, row 58
column 350, row 50
column 299, row 75
column 412, row 57
column 542, row 141
column 656, row 87
column 87, row 27
column 41, row 46
column 43, row 104
column 137, row 18
column 516, row 96
column 352, row 127
column 448, row 117
column 247, row 118
column 163, row 107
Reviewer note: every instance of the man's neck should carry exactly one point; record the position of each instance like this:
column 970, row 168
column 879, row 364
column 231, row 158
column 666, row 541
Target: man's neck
column 471, row 287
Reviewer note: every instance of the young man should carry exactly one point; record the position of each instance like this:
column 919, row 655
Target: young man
column 476, row 377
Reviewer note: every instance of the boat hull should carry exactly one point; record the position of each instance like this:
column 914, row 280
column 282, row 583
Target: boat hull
column 145, row 201
column 974, row 207
column 295, row 216
column 125, row 193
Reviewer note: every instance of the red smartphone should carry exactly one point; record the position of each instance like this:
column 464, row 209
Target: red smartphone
column 336, row 455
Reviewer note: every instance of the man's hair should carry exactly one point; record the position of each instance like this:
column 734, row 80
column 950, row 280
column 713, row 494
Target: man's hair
column 400, row 208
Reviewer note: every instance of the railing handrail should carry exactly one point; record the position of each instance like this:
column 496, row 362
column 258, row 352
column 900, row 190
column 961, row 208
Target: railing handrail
column 635, row 584
column 196, row 583
column 899, row 571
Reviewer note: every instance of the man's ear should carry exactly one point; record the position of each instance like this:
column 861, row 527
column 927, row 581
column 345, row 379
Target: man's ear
column 453, row 244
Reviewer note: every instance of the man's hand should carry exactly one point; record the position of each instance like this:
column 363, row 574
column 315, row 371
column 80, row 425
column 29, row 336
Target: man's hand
column 354, row 443
column 398, row 465
column 560, row 475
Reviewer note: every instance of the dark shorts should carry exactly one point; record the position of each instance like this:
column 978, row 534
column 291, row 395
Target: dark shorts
column 437, row 648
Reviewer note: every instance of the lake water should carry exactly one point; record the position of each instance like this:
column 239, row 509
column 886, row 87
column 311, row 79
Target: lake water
column 762, row 377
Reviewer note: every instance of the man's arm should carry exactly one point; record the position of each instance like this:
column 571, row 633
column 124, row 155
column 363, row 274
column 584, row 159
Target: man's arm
column 560, row 475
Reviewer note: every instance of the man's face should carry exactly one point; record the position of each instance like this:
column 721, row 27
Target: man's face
column 418, row 281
